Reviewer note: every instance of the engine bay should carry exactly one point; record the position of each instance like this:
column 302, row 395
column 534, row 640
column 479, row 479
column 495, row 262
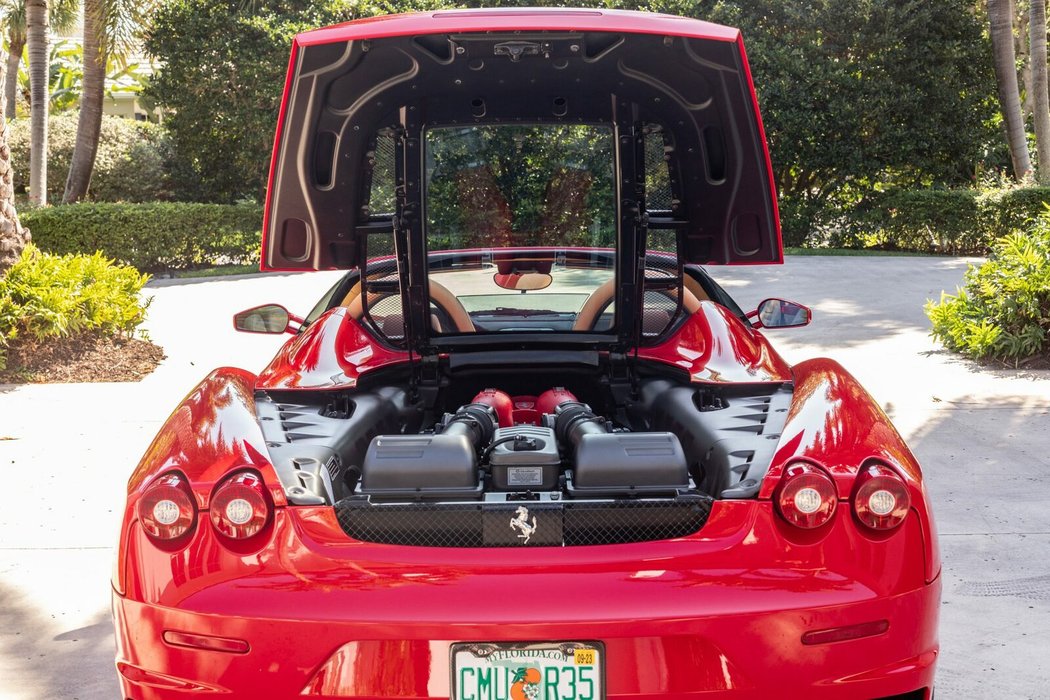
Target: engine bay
column 586, row 438
column 519, row 445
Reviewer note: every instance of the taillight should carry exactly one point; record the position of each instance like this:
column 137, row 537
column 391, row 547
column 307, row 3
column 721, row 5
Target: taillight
column 806, row 496
column 166, row 509
column 240, row 507
column 880, row 498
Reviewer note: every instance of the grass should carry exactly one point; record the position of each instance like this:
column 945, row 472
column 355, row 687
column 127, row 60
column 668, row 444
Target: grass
column 855, row 252
column 218, row 271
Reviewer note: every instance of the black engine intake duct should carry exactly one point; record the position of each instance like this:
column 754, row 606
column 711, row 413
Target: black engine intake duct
column 573, row 420
column 475, row 421
column 442, row 465
column 617, row 464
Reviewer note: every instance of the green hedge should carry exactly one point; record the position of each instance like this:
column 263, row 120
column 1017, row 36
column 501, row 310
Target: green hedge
column 957, row 222
column 129, row 165
column 153, row 237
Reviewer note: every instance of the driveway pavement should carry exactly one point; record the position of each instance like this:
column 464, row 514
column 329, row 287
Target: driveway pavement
column 982, row 434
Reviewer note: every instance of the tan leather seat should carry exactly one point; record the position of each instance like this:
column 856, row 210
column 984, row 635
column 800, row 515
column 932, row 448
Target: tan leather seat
column 439, row 294
column 601, row 297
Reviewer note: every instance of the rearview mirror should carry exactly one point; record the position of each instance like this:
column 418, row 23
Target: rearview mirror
column 523, row 281
column 779, row 313
column 268, row 318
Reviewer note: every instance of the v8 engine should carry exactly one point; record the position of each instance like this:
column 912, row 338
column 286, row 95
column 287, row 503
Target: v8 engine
column 523, row 445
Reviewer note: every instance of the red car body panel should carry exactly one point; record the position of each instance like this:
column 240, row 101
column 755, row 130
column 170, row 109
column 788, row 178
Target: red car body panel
column 713, row 345
column 331, row 353
column 708, row 613
column 696, row 615
column 304, row 610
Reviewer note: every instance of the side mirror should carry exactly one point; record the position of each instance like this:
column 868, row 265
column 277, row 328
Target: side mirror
column 779, row 313
column 268, row 318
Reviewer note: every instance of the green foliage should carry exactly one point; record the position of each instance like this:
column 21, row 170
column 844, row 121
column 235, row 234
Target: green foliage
column 1003, row 309
column 154, row 236
column 1012, row 209
column 44, row 296
column 856, row 94
column 129, row 165
column 66, row 76
column 956, row 222
column 223, row 64
column 927, row 220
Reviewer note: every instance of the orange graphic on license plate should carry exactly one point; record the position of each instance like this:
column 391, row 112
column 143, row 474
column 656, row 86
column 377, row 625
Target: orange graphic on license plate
column 526, row 684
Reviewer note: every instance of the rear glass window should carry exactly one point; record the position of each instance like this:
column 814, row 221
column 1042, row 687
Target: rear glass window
column 503, row 190
column 520, row 186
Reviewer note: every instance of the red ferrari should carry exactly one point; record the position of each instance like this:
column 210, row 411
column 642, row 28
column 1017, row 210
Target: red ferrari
column 526, row 448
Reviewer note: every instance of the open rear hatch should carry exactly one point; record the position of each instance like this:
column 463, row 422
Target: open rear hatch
column 399, row 76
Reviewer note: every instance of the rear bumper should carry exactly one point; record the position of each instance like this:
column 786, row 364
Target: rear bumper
column 717, row 615
column 757, row 655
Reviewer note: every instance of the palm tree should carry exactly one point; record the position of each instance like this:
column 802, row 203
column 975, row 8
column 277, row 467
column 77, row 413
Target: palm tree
column 1000, row 19
column 63, row 15
column 37, row 31
column 13, row 237
column 1040, row 97
column 111, row 28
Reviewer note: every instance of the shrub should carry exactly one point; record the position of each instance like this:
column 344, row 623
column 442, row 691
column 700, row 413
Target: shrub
column 957, row 222
column 1003, row 309
column 46, row 296
column 129, row 166
column 1007, row 210
column 153, row 237
column 929, row 220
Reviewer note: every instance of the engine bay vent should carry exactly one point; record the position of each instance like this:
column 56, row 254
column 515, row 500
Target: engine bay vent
column 531, row 524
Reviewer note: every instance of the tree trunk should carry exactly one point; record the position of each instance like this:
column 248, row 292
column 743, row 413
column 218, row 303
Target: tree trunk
column 1021, row 52
column 1000, row 18
column 37, row 26
column 13, row 237
column 14, row 60
column 89, row 124
column 1040, row 96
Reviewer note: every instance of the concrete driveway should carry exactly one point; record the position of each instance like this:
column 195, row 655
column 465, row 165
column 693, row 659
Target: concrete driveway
column 983, row 436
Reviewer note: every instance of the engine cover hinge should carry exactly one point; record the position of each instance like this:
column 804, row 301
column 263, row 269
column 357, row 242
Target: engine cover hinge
column 623, row 385
column 429, row 379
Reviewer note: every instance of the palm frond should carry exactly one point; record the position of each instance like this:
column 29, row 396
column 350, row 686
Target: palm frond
column 62, row 15
column 122, row 22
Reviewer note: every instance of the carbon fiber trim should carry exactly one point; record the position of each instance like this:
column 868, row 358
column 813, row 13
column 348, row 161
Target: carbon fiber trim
column 546, row 524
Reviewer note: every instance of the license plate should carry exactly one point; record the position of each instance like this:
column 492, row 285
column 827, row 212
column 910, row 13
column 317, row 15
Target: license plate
column 545, row 671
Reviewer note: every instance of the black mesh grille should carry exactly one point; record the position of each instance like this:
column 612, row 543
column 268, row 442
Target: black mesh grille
column 657, row 181
column 660, row 305
column 384, row 312
column 568, row 524
column 658, row 312
column 381, row 196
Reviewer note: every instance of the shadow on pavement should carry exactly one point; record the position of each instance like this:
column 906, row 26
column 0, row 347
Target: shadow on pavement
column 985, row 462
column 54, row 666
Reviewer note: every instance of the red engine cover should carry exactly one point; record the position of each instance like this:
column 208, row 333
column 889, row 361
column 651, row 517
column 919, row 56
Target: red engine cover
column 500, row 402
column 552, row 398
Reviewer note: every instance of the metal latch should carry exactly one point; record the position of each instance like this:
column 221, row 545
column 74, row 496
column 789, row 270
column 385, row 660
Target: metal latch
column 517, row 49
